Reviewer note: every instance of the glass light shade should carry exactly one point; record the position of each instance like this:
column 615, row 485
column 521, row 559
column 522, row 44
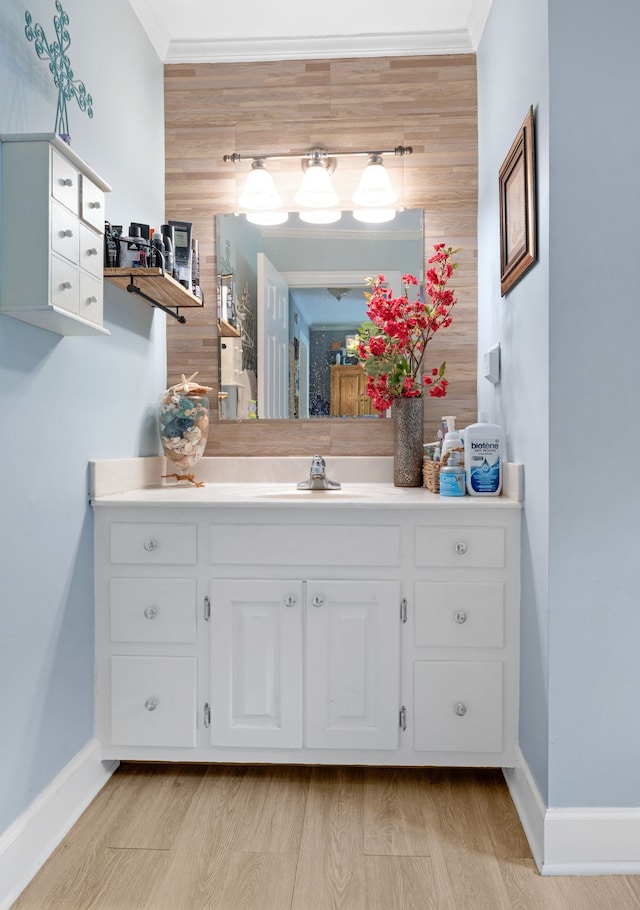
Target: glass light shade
column 316, row 190
column 375, row 186
column 267, row 218
column 259, row 193
column 374, row 216
column 321, row 216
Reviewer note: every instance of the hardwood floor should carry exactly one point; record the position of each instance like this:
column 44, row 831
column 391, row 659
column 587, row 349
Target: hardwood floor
column 185, row 837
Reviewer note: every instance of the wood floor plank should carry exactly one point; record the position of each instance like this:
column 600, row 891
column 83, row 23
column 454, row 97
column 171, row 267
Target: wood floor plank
column 528, row 890
column 102, row 879
column 395, row 821
column 330, row 874
column 399, row 883
column 156, row 799
column 495, row 806
column 275, row 810
column 257, row 881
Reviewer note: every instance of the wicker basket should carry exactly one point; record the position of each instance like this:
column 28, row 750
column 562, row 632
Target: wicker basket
column 431, row 470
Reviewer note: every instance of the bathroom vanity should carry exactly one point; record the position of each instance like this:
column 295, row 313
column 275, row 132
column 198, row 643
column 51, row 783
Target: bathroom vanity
column 253, row 622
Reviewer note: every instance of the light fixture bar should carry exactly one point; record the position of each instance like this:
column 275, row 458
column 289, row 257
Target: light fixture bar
column 318, row 152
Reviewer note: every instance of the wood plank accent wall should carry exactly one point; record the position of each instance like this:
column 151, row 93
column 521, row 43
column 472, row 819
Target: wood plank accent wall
column 426, row 102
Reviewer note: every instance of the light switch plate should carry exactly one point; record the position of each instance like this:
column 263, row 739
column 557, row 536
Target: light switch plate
column 492, row 364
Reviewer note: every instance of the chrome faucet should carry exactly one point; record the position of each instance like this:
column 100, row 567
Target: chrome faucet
column 318, row 479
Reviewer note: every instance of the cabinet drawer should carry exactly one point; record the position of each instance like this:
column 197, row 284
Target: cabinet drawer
column 64, row 232
column 460, row 547
column 450, row 615
column 458, row 706
column 65, row 291
column 153, row 701
column 90, row 297
column 91, row 254
column 305, row 545
column 153, row 543
column 91, row 203
column 64, row 181
column 153, row 609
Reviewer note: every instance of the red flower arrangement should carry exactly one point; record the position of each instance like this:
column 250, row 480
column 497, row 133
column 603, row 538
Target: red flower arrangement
column 392, row 346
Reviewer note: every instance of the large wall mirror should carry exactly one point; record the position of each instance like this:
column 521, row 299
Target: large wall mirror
column 290, row 301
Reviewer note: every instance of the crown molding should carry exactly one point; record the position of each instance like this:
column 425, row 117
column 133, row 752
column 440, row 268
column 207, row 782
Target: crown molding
column 477, row 20
column 154, row 27
column 249, row 50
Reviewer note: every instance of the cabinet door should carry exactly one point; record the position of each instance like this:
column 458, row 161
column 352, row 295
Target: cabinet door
column 352, row 664
column 256, row 663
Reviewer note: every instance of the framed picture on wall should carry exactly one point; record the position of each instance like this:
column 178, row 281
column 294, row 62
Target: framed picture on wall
column 517, row 185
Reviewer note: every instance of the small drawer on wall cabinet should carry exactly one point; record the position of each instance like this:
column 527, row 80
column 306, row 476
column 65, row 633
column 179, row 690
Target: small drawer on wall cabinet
column 65, row 181
column 458, row 706
column 91, row 257
column 153, row 701
column 464, row 615
column 92, row 203
column 90, row 302
column 477, row 548
column 64, row 232
column 153, row 543
column 161, row 610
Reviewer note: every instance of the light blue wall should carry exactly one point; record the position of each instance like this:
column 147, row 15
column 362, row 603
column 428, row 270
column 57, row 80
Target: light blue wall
column 594, row 280
column 569, row 333
column 65, row 401
column 512, row 75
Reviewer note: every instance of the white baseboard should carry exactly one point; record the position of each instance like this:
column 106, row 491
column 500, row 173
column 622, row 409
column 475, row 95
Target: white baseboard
column 34, row 835
column 575, row 841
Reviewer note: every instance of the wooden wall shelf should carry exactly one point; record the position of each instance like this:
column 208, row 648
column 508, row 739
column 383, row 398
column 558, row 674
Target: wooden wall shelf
column 225, row 330
column 157, row 289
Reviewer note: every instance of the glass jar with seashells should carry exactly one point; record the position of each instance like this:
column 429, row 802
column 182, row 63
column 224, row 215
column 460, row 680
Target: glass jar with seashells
column 183, row 421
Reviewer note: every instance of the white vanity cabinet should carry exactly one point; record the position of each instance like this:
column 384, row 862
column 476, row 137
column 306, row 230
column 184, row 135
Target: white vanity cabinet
column 236, row 630
column 52, row 247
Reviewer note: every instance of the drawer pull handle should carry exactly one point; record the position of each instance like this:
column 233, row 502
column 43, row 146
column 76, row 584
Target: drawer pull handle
column 66, row 286
column 151, row 612
column 66, row 181
column 92, row 299
column 460, row 709
column 317, row 600
column 290, row 600
column 92, row 251
column 67, row 233
column 150, row 545
column 461, row 548
column 460, row 616
column 151, row 704
column 94, row 205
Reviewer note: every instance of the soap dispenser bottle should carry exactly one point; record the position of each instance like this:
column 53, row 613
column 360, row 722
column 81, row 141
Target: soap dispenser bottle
column 452, row 439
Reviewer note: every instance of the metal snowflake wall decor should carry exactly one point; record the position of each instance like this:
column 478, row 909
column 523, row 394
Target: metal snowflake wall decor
column 60, row 67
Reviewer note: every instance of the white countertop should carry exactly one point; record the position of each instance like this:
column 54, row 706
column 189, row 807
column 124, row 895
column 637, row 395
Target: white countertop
column 137, row 482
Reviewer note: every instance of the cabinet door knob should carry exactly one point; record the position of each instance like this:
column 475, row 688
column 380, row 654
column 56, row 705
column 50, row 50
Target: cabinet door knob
column 94, row 205
column 66, row 286
column 92, row 251
column 150, row 545
column 290, row 600
column 92, row 299
column 317, row 600
column 67, row 233
column 461, row 548
column 66, row 181
column 151, row 612
column 460, row 709
column 460, row 616
column 151, row 704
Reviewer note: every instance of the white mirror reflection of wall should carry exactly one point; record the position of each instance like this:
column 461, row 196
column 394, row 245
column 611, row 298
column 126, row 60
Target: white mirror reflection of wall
column 299, row 297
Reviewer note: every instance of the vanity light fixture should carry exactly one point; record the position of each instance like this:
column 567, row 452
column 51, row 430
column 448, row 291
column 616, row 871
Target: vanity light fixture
column 374, row 195
column 270, row 218
column 259, row 193
column 320, row 216
column 374, row 215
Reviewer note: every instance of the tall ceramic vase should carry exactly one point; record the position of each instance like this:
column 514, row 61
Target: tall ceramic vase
column 408, row 436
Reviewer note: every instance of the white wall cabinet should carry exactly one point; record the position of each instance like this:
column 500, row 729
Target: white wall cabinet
column 52, row 216
column 380, row 635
